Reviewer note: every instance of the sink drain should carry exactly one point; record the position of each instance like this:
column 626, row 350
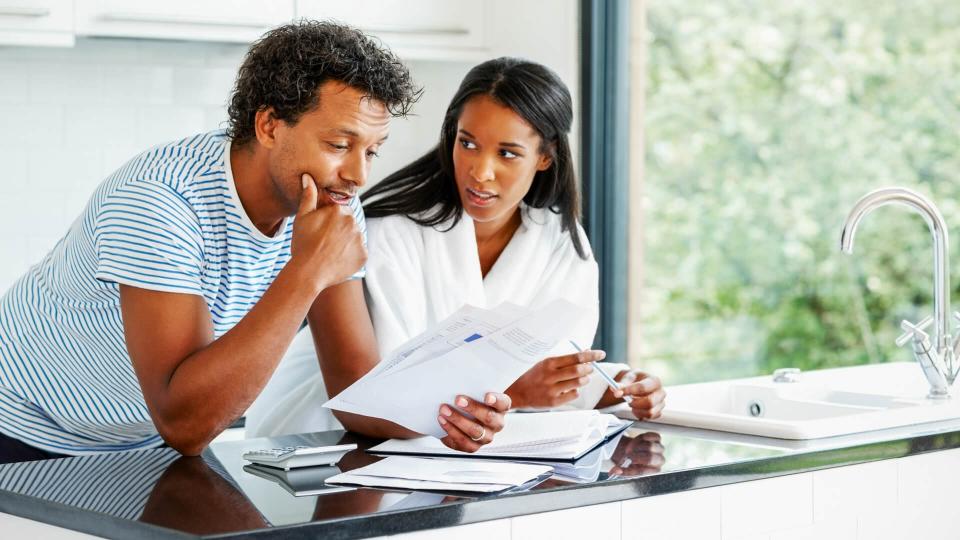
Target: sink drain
column 755, row 408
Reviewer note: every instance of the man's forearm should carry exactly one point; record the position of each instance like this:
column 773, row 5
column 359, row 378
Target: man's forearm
column 213, row 386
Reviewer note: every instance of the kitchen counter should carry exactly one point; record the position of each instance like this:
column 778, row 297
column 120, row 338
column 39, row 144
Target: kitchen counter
column 159, row 494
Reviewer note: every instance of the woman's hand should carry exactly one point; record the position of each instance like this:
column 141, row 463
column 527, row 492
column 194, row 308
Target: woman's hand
column 466, row 434
column 638, row 455
column 647, row 396
column 554, row 381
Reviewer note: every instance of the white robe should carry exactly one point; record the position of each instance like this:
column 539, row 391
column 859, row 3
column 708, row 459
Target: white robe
column 416, row 277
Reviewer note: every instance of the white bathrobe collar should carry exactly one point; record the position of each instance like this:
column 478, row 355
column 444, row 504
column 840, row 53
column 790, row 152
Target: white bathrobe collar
column 538, row 265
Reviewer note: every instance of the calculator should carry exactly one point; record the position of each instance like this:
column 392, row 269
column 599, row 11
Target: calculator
column 292, row 457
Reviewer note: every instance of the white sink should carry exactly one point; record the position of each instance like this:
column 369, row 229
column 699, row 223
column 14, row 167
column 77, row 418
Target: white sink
column 824, row 403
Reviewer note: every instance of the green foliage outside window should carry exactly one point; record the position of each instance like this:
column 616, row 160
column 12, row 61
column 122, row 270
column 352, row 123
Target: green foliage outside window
column 765, row 122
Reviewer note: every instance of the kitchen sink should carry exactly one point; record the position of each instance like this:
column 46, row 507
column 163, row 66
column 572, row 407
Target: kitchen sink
column 821, row 403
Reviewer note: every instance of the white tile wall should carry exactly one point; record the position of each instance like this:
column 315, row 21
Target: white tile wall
column 668, row 517
column 766, row 505
column 877, row 526
column 835, row 529
column 867, row 489
column 927, row 495
column 749, row 537
column 598, row 521
column 71, row 116
column 487, row 530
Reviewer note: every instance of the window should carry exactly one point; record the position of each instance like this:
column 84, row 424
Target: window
column 757, row 127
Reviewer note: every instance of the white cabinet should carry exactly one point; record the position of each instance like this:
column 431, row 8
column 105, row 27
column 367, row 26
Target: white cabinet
column 240, row 21
column 36, row 22
column 421, row 29
column 414, row 29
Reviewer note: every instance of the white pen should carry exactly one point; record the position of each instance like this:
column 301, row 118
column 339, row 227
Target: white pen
column 603, row 375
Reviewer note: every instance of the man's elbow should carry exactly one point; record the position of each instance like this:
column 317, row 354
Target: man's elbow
column 187, row 448
column 186, row 444
column 187, row 438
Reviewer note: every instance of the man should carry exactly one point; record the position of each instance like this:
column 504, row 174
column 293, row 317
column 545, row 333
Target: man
column 163, row 312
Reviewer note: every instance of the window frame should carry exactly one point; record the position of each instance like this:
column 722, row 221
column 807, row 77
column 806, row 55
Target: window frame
column 605, row 160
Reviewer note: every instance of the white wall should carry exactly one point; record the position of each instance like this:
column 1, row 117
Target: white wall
column 70, row 116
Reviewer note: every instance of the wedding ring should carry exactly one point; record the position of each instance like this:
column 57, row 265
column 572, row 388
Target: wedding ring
column 483, row 431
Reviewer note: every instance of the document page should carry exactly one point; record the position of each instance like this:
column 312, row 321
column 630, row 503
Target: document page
column 441, row 474
column 468, row 324
column 471, row 353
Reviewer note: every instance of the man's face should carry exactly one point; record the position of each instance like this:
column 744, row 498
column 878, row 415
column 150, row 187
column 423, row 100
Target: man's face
column 335, row 143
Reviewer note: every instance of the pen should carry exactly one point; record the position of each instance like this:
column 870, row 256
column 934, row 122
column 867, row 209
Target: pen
column 603, row 375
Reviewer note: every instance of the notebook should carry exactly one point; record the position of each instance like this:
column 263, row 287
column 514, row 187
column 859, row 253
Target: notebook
column 563, row 436
column 587, row 468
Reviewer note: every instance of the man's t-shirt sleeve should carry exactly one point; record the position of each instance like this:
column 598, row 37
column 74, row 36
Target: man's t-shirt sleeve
column 362, row 225
column 148, row 236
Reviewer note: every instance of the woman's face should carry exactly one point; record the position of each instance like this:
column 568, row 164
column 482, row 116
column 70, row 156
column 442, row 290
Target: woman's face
column 495, row 157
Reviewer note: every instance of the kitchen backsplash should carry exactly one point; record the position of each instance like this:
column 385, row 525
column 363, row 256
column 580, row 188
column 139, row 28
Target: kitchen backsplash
column 71, row 116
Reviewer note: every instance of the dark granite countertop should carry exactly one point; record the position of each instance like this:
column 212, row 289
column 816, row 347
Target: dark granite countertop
column 159, row 494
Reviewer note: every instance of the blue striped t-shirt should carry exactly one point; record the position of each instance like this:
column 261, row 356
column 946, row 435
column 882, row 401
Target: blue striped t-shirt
column 169, row 220
column 118, row 485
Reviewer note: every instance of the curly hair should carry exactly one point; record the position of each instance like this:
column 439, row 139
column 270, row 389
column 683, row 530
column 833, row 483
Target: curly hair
column 284, row 68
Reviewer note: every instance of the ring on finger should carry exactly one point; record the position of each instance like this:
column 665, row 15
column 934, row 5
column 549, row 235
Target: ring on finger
column 483, row 431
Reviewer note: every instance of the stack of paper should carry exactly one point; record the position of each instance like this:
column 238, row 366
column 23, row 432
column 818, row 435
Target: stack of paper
column 560, row 435
column 473, row 352
column 441, row 474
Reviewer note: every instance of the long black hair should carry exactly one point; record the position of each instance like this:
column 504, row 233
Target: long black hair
column 425, row 190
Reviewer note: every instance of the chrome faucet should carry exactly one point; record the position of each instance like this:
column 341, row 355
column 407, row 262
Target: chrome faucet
column 935, row 357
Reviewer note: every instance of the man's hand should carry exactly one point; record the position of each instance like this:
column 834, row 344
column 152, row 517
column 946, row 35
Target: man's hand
column 647, row 396
column 554, row 381
column 326, row 237
column 466, row 434
column 190, row 381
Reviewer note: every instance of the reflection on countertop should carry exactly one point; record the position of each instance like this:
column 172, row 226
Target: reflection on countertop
column 167, row 494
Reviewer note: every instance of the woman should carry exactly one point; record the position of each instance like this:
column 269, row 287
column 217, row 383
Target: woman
column 488, row 216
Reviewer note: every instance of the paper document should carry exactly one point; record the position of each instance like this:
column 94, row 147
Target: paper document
column 561, row 435
column 441, row 474
column 472, row 352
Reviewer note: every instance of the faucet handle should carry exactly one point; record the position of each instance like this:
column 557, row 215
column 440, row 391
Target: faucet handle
column 911, row 330
column 956, row 338
column 956, row 318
